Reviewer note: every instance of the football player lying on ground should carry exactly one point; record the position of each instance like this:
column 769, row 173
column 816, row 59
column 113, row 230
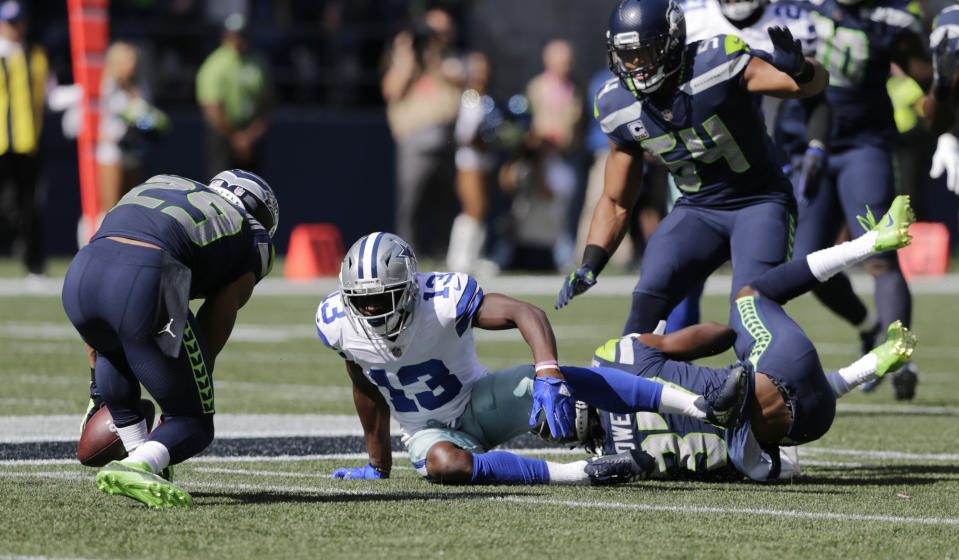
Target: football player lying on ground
column 791, row 400
column 408, row 344
column 128, row 291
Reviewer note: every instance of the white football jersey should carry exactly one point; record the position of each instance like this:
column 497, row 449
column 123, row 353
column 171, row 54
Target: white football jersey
column 705, row 19
column 427, row 374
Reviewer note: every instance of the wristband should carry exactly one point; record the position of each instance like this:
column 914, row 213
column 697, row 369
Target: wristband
column 805, row 74
column 546, row 364
column 595, row 257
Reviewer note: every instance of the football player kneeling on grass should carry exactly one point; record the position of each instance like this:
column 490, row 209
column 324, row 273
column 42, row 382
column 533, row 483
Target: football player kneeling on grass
column 407, row 340
column 128, row 291
column 791, row 399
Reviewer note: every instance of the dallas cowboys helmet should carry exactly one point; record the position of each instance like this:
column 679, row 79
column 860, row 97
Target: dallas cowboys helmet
column 645, row 43
column 741, row 10
column 249, row 191
column 378, row 284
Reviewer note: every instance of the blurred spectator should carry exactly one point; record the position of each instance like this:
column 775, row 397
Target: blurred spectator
column 556, row 108
column 25, row 79
column 128, row 123
column 234, row 91
column 421, row 87
column 475, row 162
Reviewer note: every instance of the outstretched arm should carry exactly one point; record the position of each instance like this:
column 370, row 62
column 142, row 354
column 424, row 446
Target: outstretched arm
column 374, row 416
column 785, row 72
column 693, row 342
column 498, row 312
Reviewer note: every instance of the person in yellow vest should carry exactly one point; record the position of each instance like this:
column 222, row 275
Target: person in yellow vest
column 24, row 74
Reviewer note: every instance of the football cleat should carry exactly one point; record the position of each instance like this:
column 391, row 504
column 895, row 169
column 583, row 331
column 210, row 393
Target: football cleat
column 723, row 406
column 904, row 382
column 619, row 468
column 898, row 347
column 893, row 227
column 134, row 480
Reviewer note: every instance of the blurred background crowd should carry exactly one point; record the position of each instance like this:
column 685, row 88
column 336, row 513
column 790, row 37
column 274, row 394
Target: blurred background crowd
column 465, row 126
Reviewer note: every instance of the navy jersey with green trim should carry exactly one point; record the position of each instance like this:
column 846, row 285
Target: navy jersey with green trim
column 217, row 241
column 682, row 447
column 712, row 137
column 856, row 45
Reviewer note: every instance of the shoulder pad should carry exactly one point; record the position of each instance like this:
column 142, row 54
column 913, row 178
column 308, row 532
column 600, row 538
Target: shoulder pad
column 715, row 61
column 330, row 318
column 455, row 297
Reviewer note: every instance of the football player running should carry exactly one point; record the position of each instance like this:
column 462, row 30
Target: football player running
column 407, row 339
column 858, row 40
column 127, row 292
column 940, row 105
column 692, row 106
column 792, row 401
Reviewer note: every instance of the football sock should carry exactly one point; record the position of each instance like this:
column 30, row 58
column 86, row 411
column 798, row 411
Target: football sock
column 837, row 294
column 826, row 262
column 153, row 453
column 892, row 297
column 786, row 281
column 853, row 375
column 501, row 467
column 466, row 243
column 567, row 473
column 613, row 390
column 678, row 401
column 133, row 435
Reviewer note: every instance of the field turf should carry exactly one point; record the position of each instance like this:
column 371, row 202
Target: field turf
column 883, row 483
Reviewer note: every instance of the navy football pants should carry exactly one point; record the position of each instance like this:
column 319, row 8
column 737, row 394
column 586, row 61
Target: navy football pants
column 110, row 295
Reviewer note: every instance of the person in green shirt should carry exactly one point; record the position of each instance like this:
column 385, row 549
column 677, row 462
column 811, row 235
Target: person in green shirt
column 234, row 90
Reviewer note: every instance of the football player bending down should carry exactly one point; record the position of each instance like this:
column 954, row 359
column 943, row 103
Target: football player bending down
column 128, row 291
column 408, row 343
column 791, row 400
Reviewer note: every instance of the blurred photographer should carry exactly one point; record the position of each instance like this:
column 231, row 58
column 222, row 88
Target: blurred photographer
column 421, row 86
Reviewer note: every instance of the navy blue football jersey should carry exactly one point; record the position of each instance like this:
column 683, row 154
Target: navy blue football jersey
column 712, row 137
column 855, row 46
column 682, row 446
column 217, row 241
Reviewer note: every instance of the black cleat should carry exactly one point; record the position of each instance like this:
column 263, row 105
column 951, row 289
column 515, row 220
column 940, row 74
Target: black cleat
column 723, row 406
column 619, row 468
column 904, row 382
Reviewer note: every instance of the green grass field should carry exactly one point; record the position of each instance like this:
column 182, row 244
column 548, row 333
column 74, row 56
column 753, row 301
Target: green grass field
column 883, row 483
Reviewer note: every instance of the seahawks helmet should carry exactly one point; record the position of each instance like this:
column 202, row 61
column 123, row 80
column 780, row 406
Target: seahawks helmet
column 249, row 191
column 741, row 10
column 587, row 430
column 645, row 43
column 378, row 284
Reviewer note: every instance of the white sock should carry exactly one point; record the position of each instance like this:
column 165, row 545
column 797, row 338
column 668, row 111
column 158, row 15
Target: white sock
column 826, row 262
column 853, row 375
column 133, row 435
column 466, row 243
column 567, row 473
column 153, row 453
column 678, row 401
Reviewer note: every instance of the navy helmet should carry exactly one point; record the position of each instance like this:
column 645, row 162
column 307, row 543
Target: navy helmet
column 645, row 42
column 249, row 191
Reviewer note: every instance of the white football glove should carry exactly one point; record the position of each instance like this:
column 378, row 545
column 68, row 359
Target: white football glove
column 946, row 159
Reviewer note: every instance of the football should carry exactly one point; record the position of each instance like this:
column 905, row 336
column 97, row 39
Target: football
column 99, row 443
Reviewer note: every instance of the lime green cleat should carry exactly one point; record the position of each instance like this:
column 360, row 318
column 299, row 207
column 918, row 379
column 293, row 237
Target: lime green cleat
column 135, row 480
column 893, row 228
column 896, row 350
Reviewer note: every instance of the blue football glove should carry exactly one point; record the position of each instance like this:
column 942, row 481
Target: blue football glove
column 787, row 55
column 810, row 173
column 575, row 284
column 553, row 396
column 366, row 471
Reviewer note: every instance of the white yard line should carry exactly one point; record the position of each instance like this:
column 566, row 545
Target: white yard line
column 529, row 500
